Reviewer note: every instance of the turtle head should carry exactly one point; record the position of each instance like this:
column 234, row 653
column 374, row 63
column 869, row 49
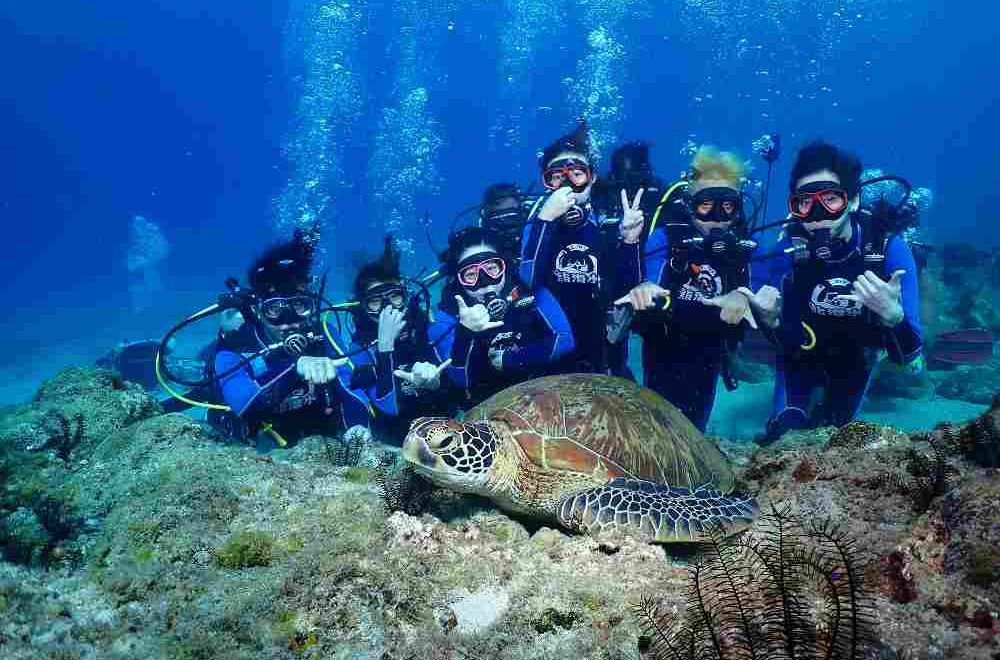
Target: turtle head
column 452, row 454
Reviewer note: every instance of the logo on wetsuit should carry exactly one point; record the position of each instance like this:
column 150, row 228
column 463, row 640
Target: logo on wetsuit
column 826, row 300
column 299, row 398
column 506, row 341
column 576, row 264
column 705, row 282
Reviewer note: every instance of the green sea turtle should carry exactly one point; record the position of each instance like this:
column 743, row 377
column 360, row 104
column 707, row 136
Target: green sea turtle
column 589, row 451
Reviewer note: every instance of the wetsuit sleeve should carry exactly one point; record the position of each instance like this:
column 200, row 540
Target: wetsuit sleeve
column 246, row 393
column 654, row 261
column 629, row 269
column 535, row 248
column 452, row 340
column 385, row 398
column 790, row 335
column 355, row 399
column 905, row 340
column 556, row 342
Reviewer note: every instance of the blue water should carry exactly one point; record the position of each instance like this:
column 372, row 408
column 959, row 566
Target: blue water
column 178, row 111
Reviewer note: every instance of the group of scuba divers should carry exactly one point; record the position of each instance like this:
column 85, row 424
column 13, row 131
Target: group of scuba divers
column 555, row 283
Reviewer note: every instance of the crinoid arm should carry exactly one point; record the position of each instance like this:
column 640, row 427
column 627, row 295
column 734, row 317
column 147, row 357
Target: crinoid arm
column 664, row 513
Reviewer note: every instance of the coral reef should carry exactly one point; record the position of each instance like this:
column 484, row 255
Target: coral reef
column 924, row 477
column 977, row 441
column 179, row 546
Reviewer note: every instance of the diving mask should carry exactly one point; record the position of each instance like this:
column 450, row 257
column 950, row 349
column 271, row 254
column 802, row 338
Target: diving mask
column 718, row 204
column 379, row 297
column 284, row 310
column 488, row 266
column 819, row 201
column 572, row 172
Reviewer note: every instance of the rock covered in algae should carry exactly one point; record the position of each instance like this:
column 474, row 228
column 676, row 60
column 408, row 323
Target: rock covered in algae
column 196, row 549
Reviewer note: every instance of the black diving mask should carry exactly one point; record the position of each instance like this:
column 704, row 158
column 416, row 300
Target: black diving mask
column 719, row 204
column 286, row 310
column 386, row 295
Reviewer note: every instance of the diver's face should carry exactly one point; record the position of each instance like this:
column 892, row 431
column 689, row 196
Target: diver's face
column 381, row 294
column 476, row 263
column 588, row 178
column 505, row 204
column 840, row 227
column 283, row 328
column 706, row 208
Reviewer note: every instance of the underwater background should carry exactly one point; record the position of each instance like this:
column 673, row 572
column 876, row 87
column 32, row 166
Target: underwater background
column 153, row 149
column 221, row 125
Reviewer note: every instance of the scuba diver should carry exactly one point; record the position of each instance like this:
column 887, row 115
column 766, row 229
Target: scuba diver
column 503, row 211
column 690, row 311
column 135, row 361
column 630, row 171
column 495, row 331
column 293, row 388
column 583, row 257
column 391, row 357
column 843, row 294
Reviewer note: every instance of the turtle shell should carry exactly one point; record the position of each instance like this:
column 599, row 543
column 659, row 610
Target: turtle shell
column 607, row 427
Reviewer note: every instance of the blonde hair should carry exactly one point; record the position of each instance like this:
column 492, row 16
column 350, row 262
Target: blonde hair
column 713, row 165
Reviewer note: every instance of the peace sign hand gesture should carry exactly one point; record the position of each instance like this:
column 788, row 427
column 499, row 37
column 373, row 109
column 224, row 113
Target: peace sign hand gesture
column 475, row 318
column 423, row 375
column 633, row 217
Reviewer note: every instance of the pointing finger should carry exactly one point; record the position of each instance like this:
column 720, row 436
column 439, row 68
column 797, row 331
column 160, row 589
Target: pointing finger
column 711, row 302
column 444, row 365
column 748, row 315
column 625, row 203
column 492, row 325
column 897, row 276
column 850, row 297
column 624, row 300
column 461, row 303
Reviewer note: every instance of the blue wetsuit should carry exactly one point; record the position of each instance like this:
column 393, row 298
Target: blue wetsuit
column 268, row 390
column 832, row 344
column 566, row 261
column 534, row 336
column 686, row 344
column 396, row 402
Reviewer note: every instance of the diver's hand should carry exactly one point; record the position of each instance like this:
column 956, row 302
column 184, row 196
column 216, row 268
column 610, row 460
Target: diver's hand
column 475, row 318
column 318, row 370
column 423, row 375
column 633, row 218
column 734, row 307
column 644, row 296
column 884, row 299
column 231, row 321
column 558, row 203
column 766, row 304
column 390, row 323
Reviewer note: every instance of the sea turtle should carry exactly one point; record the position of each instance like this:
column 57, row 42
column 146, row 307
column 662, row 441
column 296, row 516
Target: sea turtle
column 588, row 451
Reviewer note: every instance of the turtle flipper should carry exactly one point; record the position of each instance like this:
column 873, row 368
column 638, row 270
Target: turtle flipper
column 667, row 514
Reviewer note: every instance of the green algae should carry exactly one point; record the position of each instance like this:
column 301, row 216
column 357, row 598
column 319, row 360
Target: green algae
column 246, row 549
column 357, row 475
